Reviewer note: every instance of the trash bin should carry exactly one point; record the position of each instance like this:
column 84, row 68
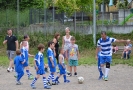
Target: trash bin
column 131, row 10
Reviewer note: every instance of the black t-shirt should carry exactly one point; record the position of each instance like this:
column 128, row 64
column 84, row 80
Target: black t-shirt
column 11, row 45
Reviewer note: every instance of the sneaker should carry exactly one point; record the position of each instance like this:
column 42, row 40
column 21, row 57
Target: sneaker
column 30, row 77
column 106, row 78
column 47, row 87
column 49, row 84
column 100, row 77
column 33, row 86
column 8, row 70
column 18, row 83
column 57, row 82
column 69, row 75
column 67, row 81
column 54, row 83
column 75, row 74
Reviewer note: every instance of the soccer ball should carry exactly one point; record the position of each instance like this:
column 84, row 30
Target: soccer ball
column 80, row 80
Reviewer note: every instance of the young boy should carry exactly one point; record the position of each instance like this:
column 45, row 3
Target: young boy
column 24, row 55
column 73, row 56
column 18, row 62
column 39, row 66
column 62, row 66
column 51, row 62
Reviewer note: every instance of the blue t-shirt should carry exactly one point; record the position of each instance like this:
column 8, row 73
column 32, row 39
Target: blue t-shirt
column 24, row 54
column 50, row 53
column 39, row 59
column 18, row 63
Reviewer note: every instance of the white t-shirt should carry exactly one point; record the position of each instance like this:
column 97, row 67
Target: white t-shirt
column 67, row 42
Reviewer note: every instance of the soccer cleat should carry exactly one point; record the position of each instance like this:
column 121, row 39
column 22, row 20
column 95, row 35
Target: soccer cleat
column 67, row 81
column 100, row 77
column 69, row 75
column 54, row 83
column 33, row 86
column 47, row 87
column 8, row 70
column 49, row 84
column 106, row 78
column 18, row 83
column 75, row 74
column 30, row 77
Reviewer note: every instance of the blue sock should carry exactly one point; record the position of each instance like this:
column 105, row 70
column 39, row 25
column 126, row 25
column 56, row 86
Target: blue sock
column 28, row 73
column 49, row 77
column 100, row 71
column 64, row 77
column 33, row 82
column 53, row 78
column 44, row 81
column 57, row 78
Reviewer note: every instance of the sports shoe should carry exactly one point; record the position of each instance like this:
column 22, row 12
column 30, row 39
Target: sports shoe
column 106, row 78
column 67, row 81
column 69, row 75
column 30, row 77
column 100, row 77
column 33, row 86
column 8, row 70
column 18, row 83
column 75, row 74
column 47, row 87
column 49, row 84
column 15, row 76
column 54, row 83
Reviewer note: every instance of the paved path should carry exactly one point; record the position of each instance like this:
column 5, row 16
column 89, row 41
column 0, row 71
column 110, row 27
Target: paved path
column 120, row 78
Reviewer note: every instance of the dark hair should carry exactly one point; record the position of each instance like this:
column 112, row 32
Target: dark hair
column 9, row 29
column 26, row 36
column 18, row 52
column 50, row 43
column 56, row 35
column 103, row 32
column 40, row 46
column 72, row 38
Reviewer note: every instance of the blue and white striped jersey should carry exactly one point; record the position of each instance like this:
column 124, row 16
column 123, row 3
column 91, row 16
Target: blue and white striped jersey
column 106, row 46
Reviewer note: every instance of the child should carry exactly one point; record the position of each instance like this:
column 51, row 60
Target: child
column 125, row 51
column 62, row 67
column 114, row 48
column 73, row 56
column 51, row 62
column 99, row 67
column 24, row 55
column 18, row 62
column 39, row 66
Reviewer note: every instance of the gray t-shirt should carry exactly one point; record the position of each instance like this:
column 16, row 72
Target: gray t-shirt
column 73, row 52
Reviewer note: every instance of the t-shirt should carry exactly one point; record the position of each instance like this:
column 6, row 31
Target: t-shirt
column 11, row 45
column 18, row 63
column 50, row 54
column 106, row 46
column 39, row 59
column 24, row 53
column 73, row 52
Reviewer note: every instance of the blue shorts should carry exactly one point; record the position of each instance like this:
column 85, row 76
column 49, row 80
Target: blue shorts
column 104, row 59
column 62, row 70
column 52, row 69
column 40, row 72
column 26, row 64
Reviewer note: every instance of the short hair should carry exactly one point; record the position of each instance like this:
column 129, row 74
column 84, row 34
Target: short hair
column 50, row 43
column 56, row 35
column 72, row 38
column 40, row 46
column 103, row 32
column 9, row 29
column 67, row 28
column 26, row 36
column 60, row 49
column 18, row 52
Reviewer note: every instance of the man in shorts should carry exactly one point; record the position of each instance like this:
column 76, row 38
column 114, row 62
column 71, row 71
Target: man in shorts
column 12, row 46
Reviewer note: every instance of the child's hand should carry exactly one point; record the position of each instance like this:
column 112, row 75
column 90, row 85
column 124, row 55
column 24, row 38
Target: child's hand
column 52, row 65
column 36, row 68
column 96, row 57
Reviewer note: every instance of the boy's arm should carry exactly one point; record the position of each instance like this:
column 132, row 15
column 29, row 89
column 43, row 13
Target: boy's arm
column 51, row 60
column 60, row 61
column 36, row 67
column 63, row 42
column 97, row 50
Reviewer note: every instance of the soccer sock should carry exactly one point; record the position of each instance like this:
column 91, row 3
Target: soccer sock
column 49, row 77
column 103, row 70
column 28, row 73
column 64, row 77
column 33, row 82
column 53, row 78
column 44, row 81
column 57, row 78
column 106, row 72
column 100, row 71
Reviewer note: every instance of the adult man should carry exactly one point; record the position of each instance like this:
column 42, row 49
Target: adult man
column 12, row 46
column 105, row 45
